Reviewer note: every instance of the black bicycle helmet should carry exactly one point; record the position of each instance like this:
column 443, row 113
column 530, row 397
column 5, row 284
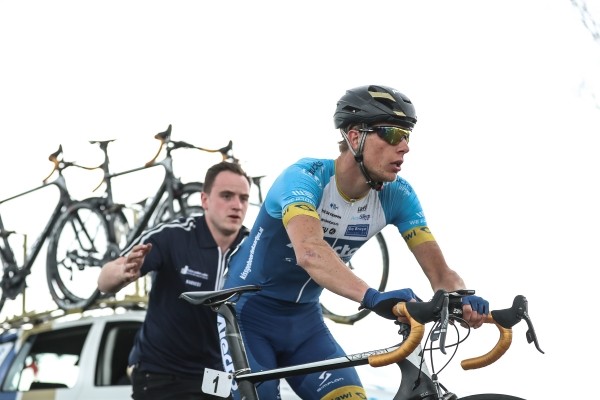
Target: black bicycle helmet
column 374, row 104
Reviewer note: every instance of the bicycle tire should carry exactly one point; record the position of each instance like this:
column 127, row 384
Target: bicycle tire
column 341, row 310
column 186, row 203
column 491, row 396
column 79, row 245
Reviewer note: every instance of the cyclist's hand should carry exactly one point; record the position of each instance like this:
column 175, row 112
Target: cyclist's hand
column 382, row 303
column 475, row 309
column 134, row 260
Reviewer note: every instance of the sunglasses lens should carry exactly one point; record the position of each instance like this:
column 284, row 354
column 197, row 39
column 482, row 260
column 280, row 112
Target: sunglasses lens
column 391, row 134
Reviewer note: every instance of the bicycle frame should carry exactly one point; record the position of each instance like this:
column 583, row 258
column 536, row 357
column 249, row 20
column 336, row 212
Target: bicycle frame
column 13, row 278
column 168, row 185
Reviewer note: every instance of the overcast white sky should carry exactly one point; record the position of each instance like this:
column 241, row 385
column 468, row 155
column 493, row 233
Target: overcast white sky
column 503, row 157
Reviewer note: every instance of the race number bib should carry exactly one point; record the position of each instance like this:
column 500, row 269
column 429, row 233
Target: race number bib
column 217, row 383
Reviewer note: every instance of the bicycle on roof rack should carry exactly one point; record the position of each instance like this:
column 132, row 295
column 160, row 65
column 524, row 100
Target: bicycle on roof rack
column 444, row 310
column 172, row 199
column 90, row 236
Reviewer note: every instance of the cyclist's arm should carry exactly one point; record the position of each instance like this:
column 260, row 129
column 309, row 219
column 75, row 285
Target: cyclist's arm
column 432, row 262
column 320, row 261
column 430, row 258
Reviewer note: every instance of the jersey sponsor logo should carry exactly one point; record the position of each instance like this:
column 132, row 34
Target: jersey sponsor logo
column 193, row 283
column 301, row 193
column 360, row 230
column 345, row 252
column 323, row 377
column 312, row 170
column 404, row 188
column 325, row 382
column 333, row 206
column 330, row 231
column 346, row 392
column 326, row 212
column 417, row 222
column 301, row 199
column 301, row 196
column 298, row 209
column 417, row 236
column 362, row 209
column 327, row 221
column 192, row 272
column 248, row 267
column 362, row 217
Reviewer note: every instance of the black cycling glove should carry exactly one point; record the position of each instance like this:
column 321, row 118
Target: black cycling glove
column 382, row 302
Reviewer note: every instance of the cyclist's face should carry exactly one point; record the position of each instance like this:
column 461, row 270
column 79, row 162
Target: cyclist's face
column 226, row 204
column 382, row 159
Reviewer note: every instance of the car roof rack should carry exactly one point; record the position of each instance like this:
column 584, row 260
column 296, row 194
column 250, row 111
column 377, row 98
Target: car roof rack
column 34, row 318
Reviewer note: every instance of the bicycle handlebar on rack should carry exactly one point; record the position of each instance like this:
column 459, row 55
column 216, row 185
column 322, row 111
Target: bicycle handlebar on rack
column 60, row 164
column 420, row 313
column 165, row 139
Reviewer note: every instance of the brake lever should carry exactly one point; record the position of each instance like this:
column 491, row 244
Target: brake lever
column 530, row 334
column 444, row 323
column 439, row 333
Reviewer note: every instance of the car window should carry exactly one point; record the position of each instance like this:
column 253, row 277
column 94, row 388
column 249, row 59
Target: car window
column 48, row 360
column 117, row 341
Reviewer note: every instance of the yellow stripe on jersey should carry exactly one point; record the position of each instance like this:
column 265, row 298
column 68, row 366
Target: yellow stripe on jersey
column 299, row 209
column 417, row 235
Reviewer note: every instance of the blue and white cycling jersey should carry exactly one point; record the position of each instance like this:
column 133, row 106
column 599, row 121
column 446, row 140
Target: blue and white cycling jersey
column 266, row 256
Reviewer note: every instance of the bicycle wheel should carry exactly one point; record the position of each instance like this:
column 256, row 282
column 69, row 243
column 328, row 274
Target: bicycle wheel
column 79, row 245
column 371, row 264
column 490, row 397
column 187, row 202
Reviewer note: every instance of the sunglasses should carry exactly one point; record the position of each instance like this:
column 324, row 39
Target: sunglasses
column 391, row 134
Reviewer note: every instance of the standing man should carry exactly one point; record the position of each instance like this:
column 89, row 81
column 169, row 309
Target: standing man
column 178, row 340
column 315, row 207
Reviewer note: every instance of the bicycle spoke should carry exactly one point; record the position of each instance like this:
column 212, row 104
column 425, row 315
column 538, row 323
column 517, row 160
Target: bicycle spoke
column 79, row 247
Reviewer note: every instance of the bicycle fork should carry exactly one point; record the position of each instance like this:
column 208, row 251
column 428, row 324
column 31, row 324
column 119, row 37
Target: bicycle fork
column 417, row 383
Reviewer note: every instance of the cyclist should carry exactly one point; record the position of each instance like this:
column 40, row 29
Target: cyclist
column 316, row 215
column 178, row 340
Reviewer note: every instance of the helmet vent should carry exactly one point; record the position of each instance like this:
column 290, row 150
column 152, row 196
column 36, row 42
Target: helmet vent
column 351, row 109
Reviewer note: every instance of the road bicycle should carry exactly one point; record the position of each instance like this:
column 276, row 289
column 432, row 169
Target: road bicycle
column 444, row 310
column 172, row 199
column 90, row 236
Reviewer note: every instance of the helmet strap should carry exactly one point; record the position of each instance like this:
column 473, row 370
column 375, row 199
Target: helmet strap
column 358, row 157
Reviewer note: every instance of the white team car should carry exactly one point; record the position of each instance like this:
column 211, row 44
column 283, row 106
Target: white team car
column 72, row 357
